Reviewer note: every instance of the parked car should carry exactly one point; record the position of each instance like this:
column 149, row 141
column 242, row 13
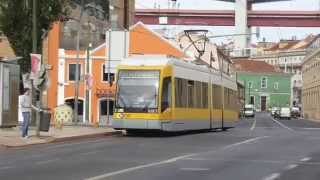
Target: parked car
column 249, row 110
column 295, row 112
column 274, row 111
column 285, row 113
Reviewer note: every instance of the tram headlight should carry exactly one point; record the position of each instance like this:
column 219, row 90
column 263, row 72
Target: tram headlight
column 121, row 115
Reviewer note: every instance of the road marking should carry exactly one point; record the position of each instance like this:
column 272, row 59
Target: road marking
column 282, row 125
column 106, row 175
column 194, row 169
column 240, row 160
column 197, row 159
column 272, row 176
column 311, row 128
column 253, row 124
column 103, row 176
column 245, row 142
column 291, row 166
column 6, row 167
column 305, row 159
column 89, row 153
column 47, row 161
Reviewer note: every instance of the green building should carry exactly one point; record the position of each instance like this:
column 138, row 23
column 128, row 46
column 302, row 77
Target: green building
column 265, row 87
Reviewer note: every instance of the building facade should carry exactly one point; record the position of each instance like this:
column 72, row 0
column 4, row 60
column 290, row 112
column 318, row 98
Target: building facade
column 264, row 86
column 288, row 55
column 311, row 86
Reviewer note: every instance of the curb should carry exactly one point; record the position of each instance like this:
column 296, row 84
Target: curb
column 63, row 139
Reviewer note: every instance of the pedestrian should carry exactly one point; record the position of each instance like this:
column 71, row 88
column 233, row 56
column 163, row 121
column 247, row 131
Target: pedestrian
column 25, row 105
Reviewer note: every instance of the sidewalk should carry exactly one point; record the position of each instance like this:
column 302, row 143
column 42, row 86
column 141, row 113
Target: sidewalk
column 11, row 137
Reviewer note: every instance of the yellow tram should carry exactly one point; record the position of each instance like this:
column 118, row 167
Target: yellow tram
column 168, row 94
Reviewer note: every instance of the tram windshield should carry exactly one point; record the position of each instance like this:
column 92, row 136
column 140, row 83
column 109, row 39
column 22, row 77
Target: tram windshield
column 137, row 91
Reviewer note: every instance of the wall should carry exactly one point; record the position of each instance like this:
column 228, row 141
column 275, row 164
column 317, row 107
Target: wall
column 275, row 97
column 311, row 87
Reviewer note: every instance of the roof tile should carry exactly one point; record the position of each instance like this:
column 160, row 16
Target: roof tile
column 247, row 65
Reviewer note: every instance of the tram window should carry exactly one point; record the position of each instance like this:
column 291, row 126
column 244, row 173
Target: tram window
column 198, row 100
column 204, row 95
column 166, row 94
column 191, row 89
column 216, row 96
column 226, row 98
column 181, row 92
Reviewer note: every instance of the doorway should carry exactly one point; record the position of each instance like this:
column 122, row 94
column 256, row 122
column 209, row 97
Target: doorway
column 251, row 100
column 103, row 110
column 263, row 103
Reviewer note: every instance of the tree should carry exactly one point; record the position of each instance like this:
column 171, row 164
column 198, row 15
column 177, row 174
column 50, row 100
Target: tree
column 16, row 24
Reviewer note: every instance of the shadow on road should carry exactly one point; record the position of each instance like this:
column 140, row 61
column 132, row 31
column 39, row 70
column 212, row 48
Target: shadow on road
column 156, row 134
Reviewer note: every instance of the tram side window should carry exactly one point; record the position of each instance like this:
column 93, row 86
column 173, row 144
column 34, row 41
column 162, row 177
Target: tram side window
column 216, row 96
column 181, row 92
column 191, row 89
column 204, row 95
column 226, row 98
column 166, row 94
column 198, row 100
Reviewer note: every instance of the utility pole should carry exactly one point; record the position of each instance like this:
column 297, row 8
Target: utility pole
column 222, row 95
column 78, row 70
column 87, row 84
column 34, row 114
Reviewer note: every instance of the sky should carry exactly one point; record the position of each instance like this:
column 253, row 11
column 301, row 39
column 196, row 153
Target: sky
column 270, row 33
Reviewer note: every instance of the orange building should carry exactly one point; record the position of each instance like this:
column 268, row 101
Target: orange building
column 61, row 86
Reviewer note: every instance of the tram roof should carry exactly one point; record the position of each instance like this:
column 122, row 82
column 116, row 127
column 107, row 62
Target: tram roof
column 162, row 60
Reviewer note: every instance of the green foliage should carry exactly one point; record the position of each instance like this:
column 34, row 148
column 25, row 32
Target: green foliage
column 16, row 24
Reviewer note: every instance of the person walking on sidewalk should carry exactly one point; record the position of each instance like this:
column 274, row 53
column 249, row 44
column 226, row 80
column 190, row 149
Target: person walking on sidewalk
column 25, row 105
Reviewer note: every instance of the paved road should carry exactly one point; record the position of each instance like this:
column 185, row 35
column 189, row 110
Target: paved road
column 257, row 149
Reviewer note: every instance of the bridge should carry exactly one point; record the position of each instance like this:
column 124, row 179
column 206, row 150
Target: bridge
column 242, row 17
column 227, row 17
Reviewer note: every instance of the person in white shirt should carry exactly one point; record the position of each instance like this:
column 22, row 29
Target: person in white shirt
column 25, row 105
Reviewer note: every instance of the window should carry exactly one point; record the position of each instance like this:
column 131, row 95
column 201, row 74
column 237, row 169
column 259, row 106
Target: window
column 198, row 102
column 105, row 75
column 191, row 89
column 137, row 91
column 216, row 96
column 204, row 95
column 276, row 85
column 180, row 92
column 166, row 94
column 72, row 72
column 264, row 82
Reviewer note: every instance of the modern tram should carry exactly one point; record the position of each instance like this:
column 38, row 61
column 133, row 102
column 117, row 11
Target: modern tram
column 168, row 94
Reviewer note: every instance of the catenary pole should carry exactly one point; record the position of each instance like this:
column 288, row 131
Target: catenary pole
column 34, row 114
column 78, row 70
